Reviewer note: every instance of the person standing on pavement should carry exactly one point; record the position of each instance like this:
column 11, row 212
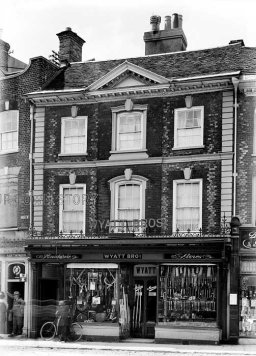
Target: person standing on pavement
column 63, row 313
column 17, row 314
column 3, row 313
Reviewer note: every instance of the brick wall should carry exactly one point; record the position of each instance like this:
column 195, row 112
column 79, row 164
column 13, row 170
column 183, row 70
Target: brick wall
column 13, row 88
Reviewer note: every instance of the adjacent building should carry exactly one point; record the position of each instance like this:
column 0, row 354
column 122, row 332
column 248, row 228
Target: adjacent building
column 16, row 79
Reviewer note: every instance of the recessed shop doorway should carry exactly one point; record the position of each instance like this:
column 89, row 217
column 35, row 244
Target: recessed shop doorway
column 144, row 309
column 48, row 295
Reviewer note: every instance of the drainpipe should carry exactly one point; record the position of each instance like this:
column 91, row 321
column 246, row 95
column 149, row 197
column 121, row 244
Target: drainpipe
column 32, row 111
column 235, row 82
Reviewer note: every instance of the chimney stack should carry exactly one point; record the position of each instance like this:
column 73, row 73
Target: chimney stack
column 171, row 39
column 71, row 44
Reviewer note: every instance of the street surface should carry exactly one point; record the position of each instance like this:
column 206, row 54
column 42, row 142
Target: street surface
column 29, row 347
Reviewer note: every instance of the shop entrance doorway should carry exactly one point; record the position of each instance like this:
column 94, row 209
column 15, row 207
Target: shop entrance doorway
column 144, row 310
column 48, row 294
column 13, row 287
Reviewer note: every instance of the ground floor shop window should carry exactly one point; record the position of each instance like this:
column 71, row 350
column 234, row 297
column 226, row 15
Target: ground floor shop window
column 248, row 306
column 93, row 290
column 187, row 293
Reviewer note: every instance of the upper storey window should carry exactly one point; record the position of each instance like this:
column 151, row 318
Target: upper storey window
column 9, row 131
column 188, row 127
column 74, row 135
column 129, row 131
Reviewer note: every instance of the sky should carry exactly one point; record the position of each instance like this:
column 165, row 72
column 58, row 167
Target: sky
column 114, row 28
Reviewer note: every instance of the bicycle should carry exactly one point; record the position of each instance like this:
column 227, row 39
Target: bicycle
column 49, row 330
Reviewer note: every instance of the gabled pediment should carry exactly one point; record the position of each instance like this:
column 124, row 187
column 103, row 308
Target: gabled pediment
column 127, row 75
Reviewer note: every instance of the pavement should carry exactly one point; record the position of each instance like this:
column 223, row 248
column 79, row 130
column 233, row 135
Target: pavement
column 245, row 346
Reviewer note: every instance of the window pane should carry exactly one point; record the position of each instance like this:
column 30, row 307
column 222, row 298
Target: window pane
column 73, row 210
column 188, row 206
column 129, row 131
column 128, row 205
column 74, row 136
column 8, row 205
column 189, row 130
column 9, row 130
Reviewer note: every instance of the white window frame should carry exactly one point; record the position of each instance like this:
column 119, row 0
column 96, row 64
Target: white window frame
column 115, row 183
column 199, row 144
column 61, row 202
column 3, row 116
column 182, row 181
column 116, row 153
column 63, row 122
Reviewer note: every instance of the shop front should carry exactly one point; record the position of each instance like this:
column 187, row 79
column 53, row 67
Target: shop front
column 247, row 302
column 164, row 290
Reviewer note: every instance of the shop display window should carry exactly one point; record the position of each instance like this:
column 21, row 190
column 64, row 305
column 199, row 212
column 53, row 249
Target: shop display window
column 93, row 293
column 248, row 307
column 187, row 293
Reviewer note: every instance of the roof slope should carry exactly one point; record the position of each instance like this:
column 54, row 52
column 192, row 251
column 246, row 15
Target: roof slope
column 173, row 65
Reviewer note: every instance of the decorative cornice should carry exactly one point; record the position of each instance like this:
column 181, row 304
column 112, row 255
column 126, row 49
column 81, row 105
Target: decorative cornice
column 157, row 90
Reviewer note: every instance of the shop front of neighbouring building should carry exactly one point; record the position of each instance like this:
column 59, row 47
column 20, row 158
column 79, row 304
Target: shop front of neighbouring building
column 159, row 288
column 247, row 298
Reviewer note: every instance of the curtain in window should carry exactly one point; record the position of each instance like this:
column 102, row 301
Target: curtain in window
column 9, row 130
column 72, row 214
column 74, row 136
column 129, row 131
column 128, row 210
column 187, row 206
column 189, row 128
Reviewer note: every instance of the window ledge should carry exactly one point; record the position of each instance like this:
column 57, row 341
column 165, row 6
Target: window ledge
column 187, row 148
column 9, row 229
column 129, row 154
column 8, row 152
column 72, row 154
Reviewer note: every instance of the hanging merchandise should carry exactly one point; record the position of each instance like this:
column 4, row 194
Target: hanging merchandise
column 187, row 292
column 95, row 293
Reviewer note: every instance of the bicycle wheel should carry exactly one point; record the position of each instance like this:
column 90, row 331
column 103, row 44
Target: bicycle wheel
column 48, row 330
column 76, row 332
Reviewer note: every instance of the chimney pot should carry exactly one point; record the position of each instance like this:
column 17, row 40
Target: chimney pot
column 68, row 29
column 168, row 23
column 155, row 21
column 175, row 21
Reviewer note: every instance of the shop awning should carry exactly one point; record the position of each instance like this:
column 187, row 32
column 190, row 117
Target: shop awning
column 92, row 265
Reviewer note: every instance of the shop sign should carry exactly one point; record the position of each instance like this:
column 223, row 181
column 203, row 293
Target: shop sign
column 144, row 270
column 15, row 270
column 248, row 267
column 122, row 256
column 188, row 256
column 51, row 256
column 248, row 239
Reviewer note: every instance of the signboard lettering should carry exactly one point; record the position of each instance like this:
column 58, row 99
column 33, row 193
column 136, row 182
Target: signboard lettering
column 188, row 256
column 122, row 256
column 249, row 241
column 50, row 256
column 144, row 270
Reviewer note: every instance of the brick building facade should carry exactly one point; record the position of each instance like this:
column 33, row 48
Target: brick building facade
column 16, row 80
column 134, row 174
